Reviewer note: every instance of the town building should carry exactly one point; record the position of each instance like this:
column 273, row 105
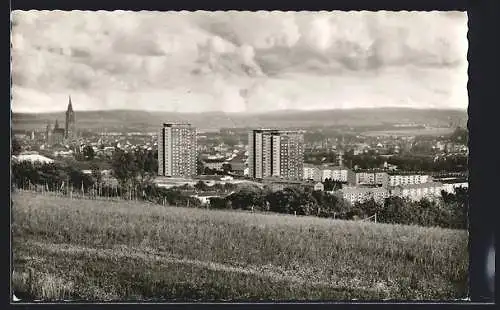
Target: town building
column 214, row 164
column 319, row 186
column 177, row 150
column 278, row 184
column 456, row 148
column 237, row 166
column 450, row 185
column 57, row 136
column 337, row 173
column 312, row 172
column 360, row 194
column 276, row 153
column 48, row 134
column 416, row 192
column 372, row 177
column 396, row 179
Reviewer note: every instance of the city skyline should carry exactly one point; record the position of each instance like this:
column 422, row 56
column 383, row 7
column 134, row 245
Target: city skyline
column 196, row 62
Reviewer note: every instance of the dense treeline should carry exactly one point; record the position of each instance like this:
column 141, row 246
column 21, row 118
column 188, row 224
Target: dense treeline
column 449, row 212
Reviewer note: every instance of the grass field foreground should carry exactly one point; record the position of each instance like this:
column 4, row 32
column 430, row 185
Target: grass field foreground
column 100, row 250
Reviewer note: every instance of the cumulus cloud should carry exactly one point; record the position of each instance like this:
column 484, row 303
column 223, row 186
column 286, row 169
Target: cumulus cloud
column 238, row 61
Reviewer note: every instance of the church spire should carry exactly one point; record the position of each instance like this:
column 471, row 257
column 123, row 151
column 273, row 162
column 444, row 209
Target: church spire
column 70, row 106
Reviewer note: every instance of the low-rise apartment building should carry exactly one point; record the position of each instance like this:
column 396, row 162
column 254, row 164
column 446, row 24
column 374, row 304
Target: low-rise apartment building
column 450, row 186
column 416, row 192
column 372, row 177
column 396, row 179
column 337, row 173
column 277, row 184
column 321, row 173
column 360, row 194
column 213, row 164
column 312, row 172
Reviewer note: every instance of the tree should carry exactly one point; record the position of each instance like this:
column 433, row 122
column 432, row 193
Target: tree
column 96, row 173
column 218, row 203
column 291, row 200
column 460, row 135
column 77, row 178
column 227, row 168
column 201, row 186
column 369, row 207
column 88, row 153
column 245, row 199
column 394, row 208
column 218, row 187
column 124, row 167
column 151, row 164
column 331, row 185
column 16, row 147
column 200, row 169
column 228, row 187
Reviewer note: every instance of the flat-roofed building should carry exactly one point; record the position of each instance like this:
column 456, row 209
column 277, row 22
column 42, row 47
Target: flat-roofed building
column 450, row 186
column 372, row 177
column 415, row 192
column 278, row 184
column 312, row 172
column 360, row 194
column 337, row 173
column 177, row 152
column 396, row 179
column 276, row 153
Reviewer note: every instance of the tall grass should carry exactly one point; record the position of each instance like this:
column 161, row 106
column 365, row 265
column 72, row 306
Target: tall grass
column 132, row 250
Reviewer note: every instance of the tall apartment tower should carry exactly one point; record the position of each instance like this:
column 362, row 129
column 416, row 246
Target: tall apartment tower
column 177, row 150
column 276, row 153
column 70, row 128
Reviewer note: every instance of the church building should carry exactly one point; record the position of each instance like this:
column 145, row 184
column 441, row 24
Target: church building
column 59, row 135
column 70, row 128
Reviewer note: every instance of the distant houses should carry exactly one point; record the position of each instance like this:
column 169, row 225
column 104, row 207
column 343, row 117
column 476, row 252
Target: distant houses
column 355, row 194
column 362, row 185
column 319, row 186
column 321, row 173
column 415, row 192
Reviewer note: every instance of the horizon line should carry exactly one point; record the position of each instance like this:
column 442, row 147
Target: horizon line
column 250, row 112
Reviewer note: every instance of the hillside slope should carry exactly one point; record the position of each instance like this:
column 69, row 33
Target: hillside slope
column 99, row 250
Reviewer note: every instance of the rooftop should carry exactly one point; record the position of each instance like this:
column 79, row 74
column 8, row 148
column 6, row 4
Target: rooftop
column 421, row 185
column 361, row 189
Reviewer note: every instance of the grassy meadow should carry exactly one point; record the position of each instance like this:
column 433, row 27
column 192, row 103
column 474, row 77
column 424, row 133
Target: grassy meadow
column 98, row 250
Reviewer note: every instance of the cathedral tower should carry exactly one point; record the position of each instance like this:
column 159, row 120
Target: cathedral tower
column 70, row 129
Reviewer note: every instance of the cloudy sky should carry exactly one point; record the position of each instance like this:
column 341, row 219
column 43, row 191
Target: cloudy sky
column 238, row 61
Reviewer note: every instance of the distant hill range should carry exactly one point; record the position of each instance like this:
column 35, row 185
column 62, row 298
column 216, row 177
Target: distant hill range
column 118, row 120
